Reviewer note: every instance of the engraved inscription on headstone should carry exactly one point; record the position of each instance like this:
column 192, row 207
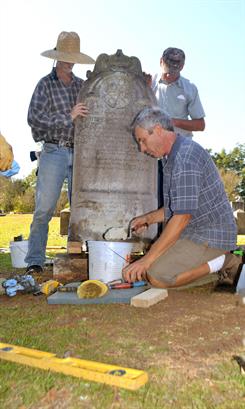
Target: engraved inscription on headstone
column 112, row 180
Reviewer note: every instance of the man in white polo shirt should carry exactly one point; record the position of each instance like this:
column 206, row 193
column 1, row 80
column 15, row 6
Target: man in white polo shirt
column 178, row 97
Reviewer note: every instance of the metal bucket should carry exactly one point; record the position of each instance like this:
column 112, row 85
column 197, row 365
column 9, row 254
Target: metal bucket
column 107, row 259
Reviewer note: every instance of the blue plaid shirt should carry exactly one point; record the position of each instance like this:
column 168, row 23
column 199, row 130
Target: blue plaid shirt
column 192, row 185
column 49, row 113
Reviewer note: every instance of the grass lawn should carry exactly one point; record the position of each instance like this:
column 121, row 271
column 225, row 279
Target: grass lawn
column 15, row 224
column 185, row 344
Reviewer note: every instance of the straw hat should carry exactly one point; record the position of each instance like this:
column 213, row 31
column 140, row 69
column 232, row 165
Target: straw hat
column 68, row 50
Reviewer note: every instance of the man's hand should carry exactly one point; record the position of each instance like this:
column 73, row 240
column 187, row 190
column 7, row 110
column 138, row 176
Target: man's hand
column 171, row 233
column 139, row 224
column 79, row 110
column 136, row 271
column 6, row 154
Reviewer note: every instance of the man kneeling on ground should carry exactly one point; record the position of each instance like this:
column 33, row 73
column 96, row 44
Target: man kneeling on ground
column 200, row 230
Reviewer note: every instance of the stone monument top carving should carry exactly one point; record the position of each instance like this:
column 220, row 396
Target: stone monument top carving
column 115, row 62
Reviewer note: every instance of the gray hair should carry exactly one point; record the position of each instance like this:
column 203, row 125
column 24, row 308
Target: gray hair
column 148, row 117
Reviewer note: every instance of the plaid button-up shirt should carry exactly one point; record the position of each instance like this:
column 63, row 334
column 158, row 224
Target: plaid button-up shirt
column 192, row 185
column 49, row 113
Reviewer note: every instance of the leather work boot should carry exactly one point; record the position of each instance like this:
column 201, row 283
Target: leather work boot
column 34, row 269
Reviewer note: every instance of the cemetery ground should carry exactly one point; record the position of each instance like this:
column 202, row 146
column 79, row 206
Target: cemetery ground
column 185, row 344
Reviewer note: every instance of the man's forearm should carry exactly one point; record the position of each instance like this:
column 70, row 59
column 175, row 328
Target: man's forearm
column 169, row 236
column 156, row 216
column 189, row 124
column 44, row 121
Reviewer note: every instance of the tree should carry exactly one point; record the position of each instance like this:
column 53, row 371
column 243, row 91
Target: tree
column 3, row 185
column 234, row 162
column 18, row 195
column 231, row 180
column 13, row 191
column 31, row 180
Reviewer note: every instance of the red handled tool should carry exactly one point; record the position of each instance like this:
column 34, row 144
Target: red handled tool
column 122, row 286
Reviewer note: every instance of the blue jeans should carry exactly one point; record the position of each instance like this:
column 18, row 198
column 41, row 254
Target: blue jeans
column 55, row 166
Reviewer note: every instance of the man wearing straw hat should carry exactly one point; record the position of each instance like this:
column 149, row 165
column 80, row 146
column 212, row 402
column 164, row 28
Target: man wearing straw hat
column 51, row 115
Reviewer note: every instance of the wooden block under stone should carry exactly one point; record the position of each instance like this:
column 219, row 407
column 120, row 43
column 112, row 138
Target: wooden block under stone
column 74, row 247
column 70, row 267
column 149, row 297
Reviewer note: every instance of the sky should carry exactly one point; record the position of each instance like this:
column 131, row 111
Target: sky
column 211, row 32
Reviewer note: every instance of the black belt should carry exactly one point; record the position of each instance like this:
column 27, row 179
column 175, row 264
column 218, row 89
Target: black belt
column 66, row 144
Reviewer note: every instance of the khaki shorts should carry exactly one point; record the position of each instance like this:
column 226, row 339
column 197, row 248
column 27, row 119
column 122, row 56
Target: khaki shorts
column 184, row 255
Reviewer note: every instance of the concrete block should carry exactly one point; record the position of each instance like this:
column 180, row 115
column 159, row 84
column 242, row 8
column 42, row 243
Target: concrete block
column 149, row 297
column 70, row 267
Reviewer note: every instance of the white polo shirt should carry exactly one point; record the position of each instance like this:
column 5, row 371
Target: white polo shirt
column 180, row 100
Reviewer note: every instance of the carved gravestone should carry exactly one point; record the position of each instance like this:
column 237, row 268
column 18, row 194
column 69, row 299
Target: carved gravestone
column 112, row 181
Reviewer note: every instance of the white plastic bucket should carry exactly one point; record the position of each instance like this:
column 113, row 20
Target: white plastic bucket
column 18, row 251
column 107, row 259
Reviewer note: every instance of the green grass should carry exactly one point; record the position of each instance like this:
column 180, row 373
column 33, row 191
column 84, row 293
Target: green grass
column 13, row 225
column 241, row 240
column 48, row 328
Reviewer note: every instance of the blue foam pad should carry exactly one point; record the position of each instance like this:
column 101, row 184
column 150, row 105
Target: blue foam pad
column 111, row 297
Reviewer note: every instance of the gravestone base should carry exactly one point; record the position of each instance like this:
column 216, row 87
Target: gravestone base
column 68, row 268
column 74, row 247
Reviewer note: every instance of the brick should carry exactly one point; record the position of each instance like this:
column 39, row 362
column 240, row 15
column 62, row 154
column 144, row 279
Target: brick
column 149, row 297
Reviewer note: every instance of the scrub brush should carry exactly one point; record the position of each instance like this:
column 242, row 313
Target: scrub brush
column 92, row 289
column 49, row 287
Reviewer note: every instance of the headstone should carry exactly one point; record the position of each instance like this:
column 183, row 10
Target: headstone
column 238, row 205
column 64, row 221
column 112, row 181
column 241, row 222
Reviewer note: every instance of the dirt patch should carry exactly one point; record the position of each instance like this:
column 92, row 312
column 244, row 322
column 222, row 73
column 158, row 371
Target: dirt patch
column 202, row 327
column 58, row 399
